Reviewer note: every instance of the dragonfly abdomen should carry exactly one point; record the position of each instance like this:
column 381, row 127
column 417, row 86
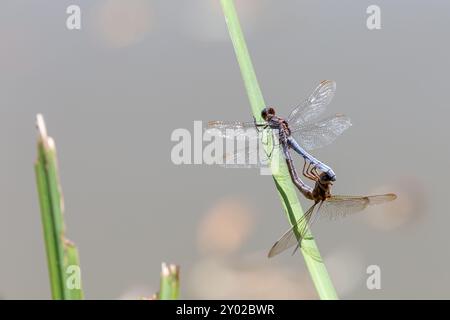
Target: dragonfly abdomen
column 322, row 166
column 306, row 190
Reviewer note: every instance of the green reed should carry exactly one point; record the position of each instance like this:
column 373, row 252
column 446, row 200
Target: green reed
column 62, row 255
column 284, row 185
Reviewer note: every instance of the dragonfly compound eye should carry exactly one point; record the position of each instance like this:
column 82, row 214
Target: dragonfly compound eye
column 264, row 113
column 325, row 178
column 267, row 113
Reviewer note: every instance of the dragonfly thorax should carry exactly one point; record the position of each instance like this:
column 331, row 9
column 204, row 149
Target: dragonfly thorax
column 322, row 189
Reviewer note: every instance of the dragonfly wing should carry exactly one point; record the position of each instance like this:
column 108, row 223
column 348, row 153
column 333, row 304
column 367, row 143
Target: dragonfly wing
column 315, row 105
column 341, row 206
column 227, row 129
column 290, row 239
column 249, row 155
column 322, row 133
column 244, row 145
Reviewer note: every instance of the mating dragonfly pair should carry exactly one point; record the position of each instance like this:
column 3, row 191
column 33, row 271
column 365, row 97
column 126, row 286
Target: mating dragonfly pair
column 303, row 131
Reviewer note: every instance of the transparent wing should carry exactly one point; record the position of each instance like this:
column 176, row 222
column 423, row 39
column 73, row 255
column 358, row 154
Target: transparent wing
column 245, row 146
column 290, row 239
column 341, row 206
column 315, row 105
column 226, row 129
column 333, row 207
column 248, row 156
column 317, row 135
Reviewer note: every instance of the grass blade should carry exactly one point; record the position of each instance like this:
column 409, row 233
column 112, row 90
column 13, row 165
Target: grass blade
column 170, row 284
column 73, row 272
column 285, row 187
column 62, row 255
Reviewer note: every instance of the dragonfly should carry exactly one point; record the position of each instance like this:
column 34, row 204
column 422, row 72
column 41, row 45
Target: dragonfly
column 302, row 131
column 325, row 205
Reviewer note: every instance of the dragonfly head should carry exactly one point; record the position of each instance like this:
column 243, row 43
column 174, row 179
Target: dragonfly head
column 326, row 178
column 267, row 113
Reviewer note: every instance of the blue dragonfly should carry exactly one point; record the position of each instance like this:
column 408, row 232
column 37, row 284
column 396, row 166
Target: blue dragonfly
column 302, row 132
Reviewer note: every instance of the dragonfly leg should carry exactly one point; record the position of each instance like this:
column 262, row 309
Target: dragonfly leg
column 306, row 170
column 315, row 173
column 310, row 172
column 256, row 125
column 304, row 167
column 259, row 125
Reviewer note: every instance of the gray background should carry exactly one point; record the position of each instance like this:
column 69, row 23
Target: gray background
column 113, row 93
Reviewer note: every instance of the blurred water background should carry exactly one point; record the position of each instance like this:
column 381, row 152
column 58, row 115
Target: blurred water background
column 113, row 92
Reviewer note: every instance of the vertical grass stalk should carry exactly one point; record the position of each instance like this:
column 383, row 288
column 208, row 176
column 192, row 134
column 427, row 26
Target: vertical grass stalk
column 170, row 282
column 285, row 187
column 62, row 255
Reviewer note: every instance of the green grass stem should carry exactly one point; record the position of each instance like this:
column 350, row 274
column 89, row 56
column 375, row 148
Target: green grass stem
column 170, row 282
column 283, row 182
column 62, row 255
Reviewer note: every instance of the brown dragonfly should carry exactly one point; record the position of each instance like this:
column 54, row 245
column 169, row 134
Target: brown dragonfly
column 325, row 204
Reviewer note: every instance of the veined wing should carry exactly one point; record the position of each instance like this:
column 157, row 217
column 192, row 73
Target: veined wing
column 244, row 145
column 226, row 129
column 317, row 135
column 315, row 105
column 341, row 206
column 294, row 235
column 249, row 155
column 333, row 207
